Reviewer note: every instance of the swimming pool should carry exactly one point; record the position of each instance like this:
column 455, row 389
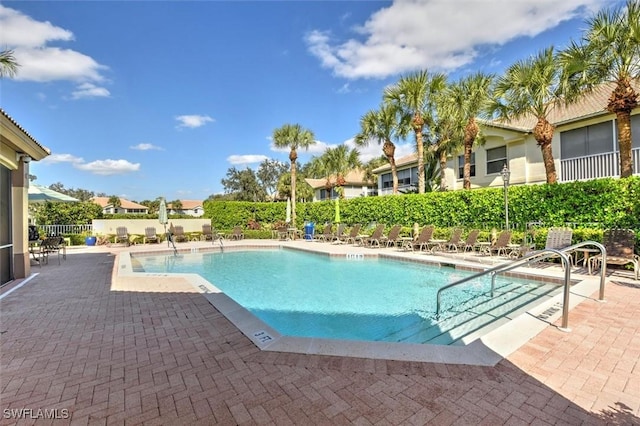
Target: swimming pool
column 367, row 299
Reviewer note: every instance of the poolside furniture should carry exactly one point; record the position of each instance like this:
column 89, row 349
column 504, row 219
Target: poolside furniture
column 52, row 245
column 353, row 234
column 150, row 235
column 499, row 247
column 236, row 233
column 454, row 241
column 282, row 233
column 393, row 237
column 470, row 243
column 207, row 232
column 122, row 235
column 424, row 237
column 373, row 240
column 558, row 238
column 179, row 235
column 620, row 245
column 336, row 236
column 327, row 234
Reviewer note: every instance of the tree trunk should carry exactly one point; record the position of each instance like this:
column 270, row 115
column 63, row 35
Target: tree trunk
column 470, row 132
column 389, row 150
column 418, row 124
column 543, row 134
column 293, row 156
column 622, row 101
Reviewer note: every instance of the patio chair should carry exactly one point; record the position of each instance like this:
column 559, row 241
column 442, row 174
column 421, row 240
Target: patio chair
column 373, row 240
column 150, row 235
column 236, row 233
column 392, row 237
column 454, row 241
column 469, row 244
column 353, row 234
column 558, row 238
column 620, row 244
column 179, row 235
column 336, row 236
column 122, row 235
column 500, row 246
column 326, row 235
column 52, row 245
column 207, row 232
column 424, row 238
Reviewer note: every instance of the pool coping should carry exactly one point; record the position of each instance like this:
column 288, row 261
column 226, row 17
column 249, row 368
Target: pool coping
column 485, row 350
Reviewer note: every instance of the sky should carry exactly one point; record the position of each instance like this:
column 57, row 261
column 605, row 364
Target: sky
column 148, row 99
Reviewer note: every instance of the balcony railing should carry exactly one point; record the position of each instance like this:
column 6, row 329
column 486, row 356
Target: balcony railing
column 596, row 166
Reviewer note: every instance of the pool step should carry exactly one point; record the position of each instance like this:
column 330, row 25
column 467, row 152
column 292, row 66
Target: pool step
column 475, row 314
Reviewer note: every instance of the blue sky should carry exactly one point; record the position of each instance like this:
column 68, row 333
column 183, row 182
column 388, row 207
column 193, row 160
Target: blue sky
column 147, row 99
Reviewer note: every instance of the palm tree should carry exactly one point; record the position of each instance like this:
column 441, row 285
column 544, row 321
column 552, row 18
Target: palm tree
column 382, row 125
column 470, row 95
column 293, row 136
column 340, row 161
column 414, row 96
column 610, row 52
column 8, row 64
column 530, row 87
column 115, row 202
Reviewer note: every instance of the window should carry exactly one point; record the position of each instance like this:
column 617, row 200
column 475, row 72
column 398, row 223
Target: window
column 589, row 140
column 406, row 177
column 635, row 131
column 496, row 159
column 461, row 165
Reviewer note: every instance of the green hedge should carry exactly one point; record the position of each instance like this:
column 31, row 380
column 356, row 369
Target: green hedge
column 604, row 203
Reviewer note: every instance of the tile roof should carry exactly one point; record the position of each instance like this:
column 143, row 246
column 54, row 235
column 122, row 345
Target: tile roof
column 402, row 161
column 188, row 204
column 22, row 129
column 354, row 177
column 124, row 203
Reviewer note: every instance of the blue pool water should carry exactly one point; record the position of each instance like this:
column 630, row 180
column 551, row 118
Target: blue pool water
column 308, row 295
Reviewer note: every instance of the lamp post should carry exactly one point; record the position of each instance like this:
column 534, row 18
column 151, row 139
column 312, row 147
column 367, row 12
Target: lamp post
column 505, row 178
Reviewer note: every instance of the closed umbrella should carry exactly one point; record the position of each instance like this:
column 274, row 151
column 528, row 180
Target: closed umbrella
column 288, row 217
column 41, row 194
column 337, row 218
column 162, row 216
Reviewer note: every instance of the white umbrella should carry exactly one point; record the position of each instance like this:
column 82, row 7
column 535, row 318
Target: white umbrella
column 40, row 194
column 288, row 217
column 162, row 216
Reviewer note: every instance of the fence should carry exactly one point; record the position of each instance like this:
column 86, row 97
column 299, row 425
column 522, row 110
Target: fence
column 66, row 229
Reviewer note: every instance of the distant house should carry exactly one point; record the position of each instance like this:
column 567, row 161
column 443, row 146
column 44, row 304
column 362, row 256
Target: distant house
column 584, row 147
column 355, row 187
column 189, row 207
column 126, row 206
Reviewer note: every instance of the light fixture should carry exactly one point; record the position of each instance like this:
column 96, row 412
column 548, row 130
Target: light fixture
column 505, row 173
column 21, row 156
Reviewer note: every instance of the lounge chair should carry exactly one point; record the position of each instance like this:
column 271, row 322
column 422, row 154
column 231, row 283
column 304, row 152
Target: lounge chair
column 282, row 233
column 150, row 235
column 353, row 234
column 620, row 244
column 500, row 246
column 179, row 235
column 454, row 241
column 392, row 237
column 470, row 243
column 336, row 236
column 122, row 235
column 327, row 234
column 373, row 240
column 236, row 233
column 207, row 232
column 424, row 238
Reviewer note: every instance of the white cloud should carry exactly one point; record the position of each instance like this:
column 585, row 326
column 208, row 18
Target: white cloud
column 89, row 90
column 62, row 158
column 193, row 121
column 146, row 147
column 437, row 34
column 374, row 149
column 30, row 39
column 246, row 159
column 109, row 167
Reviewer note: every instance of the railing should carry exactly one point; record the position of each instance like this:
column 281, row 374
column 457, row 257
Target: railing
column 66, row 229
column 538, row 256
column 596, row 166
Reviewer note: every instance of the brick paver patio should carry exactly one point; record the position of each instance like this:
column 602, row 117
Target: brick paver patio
column 90, row 351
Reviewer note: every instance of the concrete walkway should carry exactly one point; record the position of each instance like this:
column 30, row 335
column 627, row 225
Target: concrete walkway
column 87, row 347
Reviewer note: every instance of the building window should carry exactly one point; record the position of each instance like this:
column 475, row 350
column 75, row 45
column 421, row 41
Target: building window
column 496, row 159
column 635, row 131
column 589, row 140
column 461, row 165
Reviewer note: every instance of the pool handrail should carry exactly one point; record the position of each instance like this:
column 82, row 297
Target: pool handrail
column 538, row 256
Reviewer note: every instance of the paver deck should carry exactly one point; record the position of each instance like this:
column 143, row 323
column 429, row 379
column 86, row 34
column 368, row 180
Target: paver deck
column 80, row 344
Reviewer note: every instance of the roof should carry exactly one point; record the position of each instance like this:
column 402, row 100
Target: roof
column 402, row 161
column 354, row 177
column 124, row 203
column 591, row 104
column 43, row 149
column 188, row 204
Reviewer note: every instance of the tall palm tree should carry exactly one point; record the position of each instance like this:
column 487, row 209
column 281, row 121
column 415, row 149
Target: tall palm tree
column 470, row 95
column 382, row 125
column 531, row 87
column 294, row 137
column 340, row 161
column 8, row 64
column 609, row 52
column 414, row 96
